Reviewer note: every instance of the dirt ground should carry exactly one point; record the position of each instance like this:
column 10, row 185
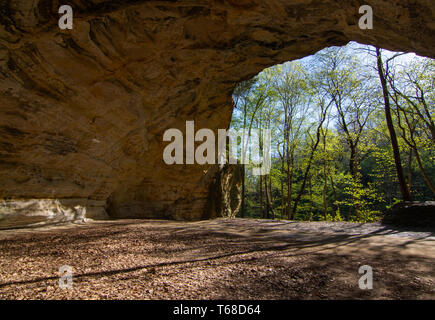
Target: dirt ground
column 219, row 259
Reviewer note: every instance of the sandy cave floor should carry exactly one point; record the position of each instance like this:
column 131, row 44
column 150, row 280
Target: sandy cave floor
column 218, row 259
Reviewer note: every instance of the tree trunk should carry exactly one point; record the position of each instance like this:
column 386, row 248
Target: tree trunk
column 423, row 172
column 410, row 169
column 334, row 193
column 267, row 198
column 310, row 217
column 282, row 188
column 395, row 145
column 325, row 177
column 290, row 164
column 267, row 188
column 261, row 197
column 271, row 197
column 242, row 209
column 325, row 189
column 304, row 181
column 324, row 112
column 353, row 164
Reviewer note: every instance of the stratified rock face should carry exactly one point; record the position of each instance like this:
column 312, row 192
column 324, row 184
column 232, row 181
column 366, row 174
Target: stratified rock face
column 83, row 111
column 226, row 194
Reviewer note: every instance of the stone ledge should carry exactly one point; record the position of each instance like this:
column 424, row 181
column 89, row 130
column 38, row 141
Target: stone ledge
column 411, row 214
column 20, row 213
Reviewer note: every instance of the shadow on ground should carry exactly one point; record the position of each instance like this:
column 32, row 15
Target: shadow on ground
column 219, row 259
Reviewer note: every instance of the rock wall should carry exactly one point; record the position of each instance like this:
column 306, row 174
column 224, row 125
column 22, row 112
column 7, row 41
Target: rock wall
column 83, row 111
column 411, row 214
column 225, row 198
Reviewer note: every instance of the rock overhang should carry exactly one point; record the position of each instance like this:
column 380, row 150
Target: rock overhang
column 83, row 111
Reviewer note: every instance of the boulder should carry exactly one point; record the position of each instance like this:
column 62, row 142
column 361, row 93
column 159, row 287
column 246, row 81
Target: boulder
column 411, row 214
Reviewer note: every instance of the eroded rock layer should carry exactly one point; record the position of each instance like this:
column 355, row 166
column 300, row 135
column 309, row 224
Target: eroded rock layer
column 83, row 111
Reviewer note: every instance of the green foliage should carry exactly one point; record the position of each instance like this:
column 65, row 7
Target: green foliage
column 352, row 174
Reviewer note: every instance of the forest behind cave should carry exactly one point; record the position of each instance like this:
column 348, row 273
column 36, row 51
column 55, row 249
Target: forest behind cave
column 333, row 117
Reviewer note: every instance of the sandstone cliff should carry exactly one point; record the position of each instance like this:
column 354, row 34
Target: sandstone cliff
column 83, row 111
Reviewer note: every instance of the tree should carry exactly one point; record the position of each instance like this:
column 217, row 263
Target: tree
column 383, row 75
column 413, row 113
column 291, row 89
column 323, row 112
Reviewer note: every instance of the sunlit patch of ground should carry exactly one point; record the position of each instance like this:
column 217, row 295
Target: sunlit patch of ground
column 219, row 259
